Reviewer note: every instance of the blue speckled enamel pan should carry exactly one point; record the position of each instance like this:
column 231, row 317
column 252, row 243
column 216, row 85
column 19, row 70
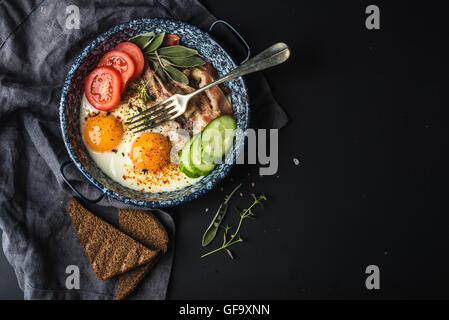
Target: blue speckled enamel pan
column 73, row 90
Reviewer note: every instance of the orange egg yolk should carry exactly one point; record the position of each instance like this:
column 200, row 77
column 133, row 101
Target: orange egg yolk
column 102, row 132
column 150, row 151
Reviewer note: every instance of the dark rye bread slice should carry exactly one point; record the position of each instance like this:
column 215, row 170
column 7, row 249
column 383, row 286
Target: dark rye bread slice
column 144, row 227
column 110, row 251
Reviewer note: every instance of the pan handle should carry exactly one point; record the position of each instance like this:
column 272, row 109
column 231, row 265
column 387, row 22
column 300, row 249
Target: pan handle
column 236, row 33
column 77, row 193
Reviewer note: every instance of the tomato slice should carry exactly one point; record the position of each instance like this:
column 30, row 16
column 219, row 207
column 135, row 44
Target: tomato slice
column 171, row 39
column 136, row 54
column 102, row 88
column 122, row 62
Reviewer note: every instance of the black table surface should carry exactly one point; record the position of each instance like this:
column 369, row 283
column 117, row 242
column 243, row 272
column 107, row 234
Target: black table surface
column 367, row 126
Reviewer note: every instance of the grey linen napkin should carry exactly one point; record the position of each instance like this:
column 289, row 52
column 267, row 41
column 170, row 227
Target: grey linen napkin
column 36, row 51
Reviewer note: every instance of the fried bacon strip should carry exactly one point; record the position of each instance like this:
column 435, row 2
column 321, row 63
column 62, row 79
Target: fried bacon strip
column 218, row 100
column 202, row 108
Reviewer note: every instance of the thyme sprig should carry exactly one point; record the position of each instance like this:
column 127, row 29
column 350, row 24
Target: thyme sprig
column 235, row 236
column 142, row 92
column 139, row 94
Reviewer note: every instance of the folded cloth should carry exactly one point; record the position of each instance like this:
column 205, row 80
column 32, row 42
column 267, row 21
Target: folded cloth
column 37, row 50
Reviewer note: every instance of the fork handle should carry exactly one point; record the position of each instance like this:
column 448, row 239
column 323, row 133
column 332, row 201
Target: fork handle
column 270, row 57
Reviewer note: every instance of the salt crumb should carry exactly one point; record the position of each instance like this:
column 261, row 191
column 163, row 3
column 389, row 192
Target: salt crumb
column 296, row 161
column 207, row 209
column 253, row 184
column 241, row 194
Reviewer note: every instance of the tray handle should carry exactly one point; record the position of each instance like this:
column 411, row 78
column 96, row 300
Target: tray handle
column 236, row 33
column 77, row 193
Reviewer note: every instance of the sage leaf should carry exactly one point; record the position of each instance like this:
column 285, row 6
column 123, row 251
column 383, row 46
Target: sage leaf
column 142, row 40
column 211, row 231
column 176, row 75
column 176, row 52
column 159, row 70
column 156, row 43
column 185, row 62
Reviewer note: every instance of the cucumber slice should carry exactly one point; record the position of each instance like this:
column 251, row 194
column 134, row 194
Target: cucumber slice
column 184, row 160
column 218, row 137
column 197, row 162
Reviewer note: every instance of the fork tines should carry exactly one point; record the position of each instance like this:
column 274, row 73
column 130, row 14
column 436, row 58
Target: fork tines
column 148, row 118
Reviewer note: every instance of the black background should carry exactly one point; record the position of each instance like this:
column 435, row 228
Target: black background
column 369, row 130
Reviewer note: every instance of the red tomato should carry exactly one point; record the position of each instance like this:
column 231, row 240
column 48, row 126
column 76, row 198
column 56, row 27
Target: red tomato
column 171, row 39
column 102, row 88
column 136, row 54
column 122, row 62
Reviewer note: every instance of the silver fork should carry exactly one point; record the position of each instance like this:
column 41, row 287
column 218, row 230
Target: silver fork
column 176, row 105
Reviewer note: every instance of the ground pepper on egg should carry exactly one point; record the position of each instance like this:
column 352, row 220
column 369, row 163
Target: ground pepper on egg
column 103, row 132
column 151, row 151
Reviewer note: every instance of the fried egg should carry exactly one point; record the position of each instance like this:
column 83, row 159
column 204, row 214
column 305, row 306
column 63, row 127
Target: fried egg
column 145, row 161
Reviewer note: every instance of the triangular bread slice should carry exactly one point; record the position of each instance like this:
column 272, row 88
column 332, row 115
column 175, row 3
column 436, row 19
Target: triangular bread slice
column 143, row 227
column 110, row 251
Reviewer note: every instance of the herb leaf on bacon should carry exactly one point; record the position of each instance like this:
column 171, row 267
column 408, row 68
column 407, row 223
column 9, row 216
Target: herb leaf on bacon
column 166, row 60
column 143, row 40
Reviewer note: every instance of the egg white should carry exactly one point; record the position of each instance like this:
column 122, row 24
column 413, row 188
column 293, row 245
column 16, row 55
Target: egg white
column 118, row 165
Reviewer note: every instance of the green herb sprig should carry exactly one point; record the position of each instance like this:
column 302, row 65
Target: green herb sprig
column 139, row 91
column 244, row 214
column 211, row 231
column 166, row 60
